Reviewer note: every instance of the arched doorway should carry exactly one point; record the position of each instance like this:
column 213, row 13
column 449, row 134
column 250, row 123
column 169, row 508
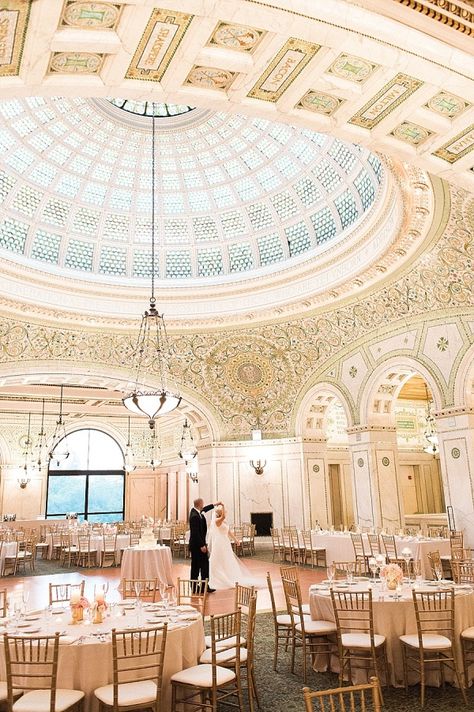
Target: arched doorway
column 90, row 480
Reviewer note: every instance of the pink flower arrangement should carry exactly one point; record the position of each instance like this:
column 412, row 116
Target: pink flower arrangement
column 392, row 572
column 81, row 603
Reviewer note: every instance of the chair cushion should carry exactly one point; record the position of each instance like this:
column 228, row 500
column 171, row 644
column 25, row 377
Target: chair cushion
column 317, row 627
column 360, row 640
column 224, row 656
column 201, row 676
column 39, row 700
column 468, row 634
column 283, row 619
column 129, row 693
column 430, row 642
column 224, row 644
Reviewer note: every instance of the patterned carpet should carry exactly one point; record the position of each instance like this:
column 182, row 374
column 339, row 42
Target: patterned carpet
column 281, row 691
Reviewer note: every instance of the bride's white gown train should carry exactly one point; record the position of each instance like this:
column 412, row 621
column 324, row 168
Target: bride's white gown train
column 225, row 569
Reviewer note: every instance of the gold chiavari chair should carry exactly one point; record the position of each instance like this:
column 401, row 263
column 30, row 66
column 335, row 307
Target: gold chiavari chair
column 32, row 668
column 312, row 637
column 359, row 551
column 282, row 624
column 139, row 655
column 3, row 603
column 148, row 589
column 87, row 552
column 26, row 554
column 358, row 643
column 110, row 555
column 466, row 575
column 192, row 593
column 365, row 698
column 61, row 592
column 344, row 568
column 391, row 553
column 213, row 681
column 375, row 545
column 433, row 644
column 246, row 541
column 69, row 550
column 237, row 545
column 456, row 540
column 315, row 554
column 286, row 544
column 277, row 546
column 291, row 573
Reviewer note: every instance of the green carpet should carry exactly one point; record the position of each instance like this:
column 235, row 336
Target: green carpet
column 283, row 691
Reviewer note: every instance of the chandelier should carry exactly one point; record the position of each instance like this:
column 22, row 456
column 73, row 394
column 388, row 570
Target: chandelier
column 59, row 449
column 41, row 442
column 28, row 455
column 128, row 457
column 152, row 348
column 188, row 449
column 154, row 458
column 430, row 435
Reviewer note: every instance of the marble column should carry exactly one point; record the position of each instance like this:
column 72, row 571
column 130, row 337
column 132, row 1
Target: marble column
column 455, row 428
column 376, row 488
column 317, row 482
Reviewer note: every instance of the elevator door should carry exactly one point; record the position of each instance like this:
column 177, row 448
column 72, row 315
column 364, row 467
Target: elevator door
column 336, row 495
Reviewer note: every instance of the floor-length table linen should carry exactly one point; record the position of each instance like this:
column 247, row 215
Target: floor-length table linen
column 393, row 618
column 339, row 547
column 87, row 664
column 8, row 549
column 147, row 564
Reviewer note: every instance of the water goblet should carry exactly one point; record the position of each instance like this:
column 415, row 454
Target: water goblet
column 25, row 597
column 137, row 586
column 438, row 572
column 373, row 566
column 331, row 570
column 350, row 573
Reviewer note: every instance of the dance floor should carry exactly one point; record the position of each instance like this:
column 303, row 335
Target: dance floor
column 218, row 602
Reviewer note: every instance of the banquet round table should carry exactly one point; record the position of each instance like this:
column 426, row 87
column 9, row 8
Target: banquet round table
column 150, row 563
column 85, row 653
column 392, row 618
column 339, row 547
column 122, row 541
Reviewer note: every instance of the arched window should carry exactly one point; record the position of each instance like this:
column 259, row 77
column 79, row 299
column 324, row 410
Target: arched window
column 90, row 481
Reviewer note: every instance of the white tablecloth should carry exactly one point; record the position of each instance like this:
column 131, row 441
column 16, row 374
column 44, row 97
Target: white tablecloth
column 394, row 618
column 339, row 547
column 147, row 564
column 87, row 664
column 123, row 540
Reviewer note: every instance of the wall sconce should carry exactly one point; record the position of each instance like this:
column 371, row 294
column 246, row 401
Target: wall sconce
column 258, row 465
column 194, row 477
column 23, row 481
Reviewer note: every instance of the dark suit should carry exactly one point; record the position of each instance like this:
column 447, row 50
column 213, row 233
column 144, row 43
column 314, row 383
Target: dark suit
column 197, row 539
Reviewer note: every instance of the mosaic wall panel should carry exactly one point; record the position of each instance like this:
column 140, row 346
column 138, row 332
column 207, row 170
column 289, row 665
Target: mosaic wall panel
column 354, row 69
column 283, row 69
column 385, row 101
column 210, row 77
column 447, row 104
column 76, row 63
column 13, row 25
column 238, row 37
column 411, row 133
column 158, row 45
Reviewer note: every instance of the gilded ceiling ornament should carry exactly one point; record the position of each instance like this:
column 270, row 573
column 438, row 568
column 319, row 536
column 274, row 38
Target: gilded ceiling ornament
column 210, row 77
column 411, row 133
column 385, row 101
column 447, row 104
column 76, row 62
column 238, row 37
column 320, row 102
column 13, row 25
column 457, row 147
column 354, row 69
column 94, row 15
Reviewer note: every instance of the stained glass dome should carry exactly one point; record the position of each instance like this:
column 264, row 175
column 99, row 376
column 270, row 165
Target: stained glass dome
column 236, row 194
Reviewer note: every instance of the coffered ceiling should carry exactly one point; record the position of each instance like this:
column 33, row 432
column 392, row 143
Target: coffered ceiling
column 385, row 74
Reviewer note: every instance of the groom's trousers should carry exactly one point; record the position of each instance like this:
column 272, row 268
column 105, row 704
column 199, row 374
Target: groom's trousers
column 199, row 565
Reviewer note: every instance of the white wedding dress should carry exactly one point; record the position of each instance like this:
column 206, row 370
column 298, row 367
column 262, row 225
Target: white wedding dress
column 225, row 569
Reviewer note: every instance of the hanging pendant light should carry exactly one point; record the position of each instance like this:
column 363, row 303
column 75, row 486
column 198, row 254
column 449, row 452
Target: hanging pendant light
column 28, row 458
column 41, row 442
column 188, row 449
column 128, row 459
column 430, row 435
column 154, row 459
column 152, row 351
column 59, row 448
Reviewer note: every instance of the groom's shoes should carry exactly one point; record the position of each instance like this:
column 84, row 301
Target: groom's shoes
column 211, row 590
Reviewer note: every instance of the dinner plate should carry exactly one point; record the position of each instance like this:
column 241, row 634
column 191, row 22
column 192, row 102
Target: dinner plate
column 57, row 611
column 32, row 618
column 23, row 625
column 31, row 631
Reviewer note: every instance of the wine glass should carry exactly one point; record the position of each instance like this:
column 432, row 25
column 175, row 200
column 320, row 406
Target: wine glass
column 331, row 570
column 350, row 573
column 417, row 569
column 373, row 566
column 62, row 592
column 438, row 572
column 162, row 589
column 137, row 587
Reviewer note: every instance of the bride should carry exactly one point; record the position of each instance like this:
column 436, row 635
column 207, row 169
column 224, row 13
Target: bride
column 225, row 569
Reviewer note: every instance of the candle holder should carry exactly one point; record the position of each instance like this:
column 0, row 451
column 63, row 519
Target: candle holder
column 77, row 613
column 98, row 613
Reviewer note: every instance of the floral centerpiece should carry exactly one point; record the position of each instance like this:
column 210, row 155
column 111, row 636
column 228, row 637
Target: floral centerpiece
column 78, row 603
column 393, row 575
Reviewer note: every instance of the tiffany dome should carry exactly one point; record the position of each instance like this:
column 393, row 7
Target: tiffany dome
column 236, row 195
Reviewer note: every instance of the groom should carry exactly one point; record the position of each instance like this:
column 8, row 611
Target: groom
column 197, row 540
